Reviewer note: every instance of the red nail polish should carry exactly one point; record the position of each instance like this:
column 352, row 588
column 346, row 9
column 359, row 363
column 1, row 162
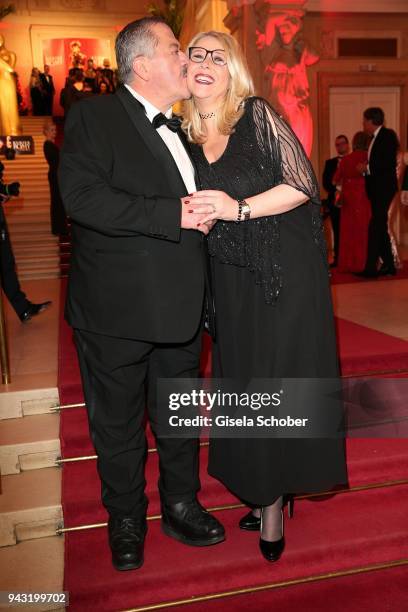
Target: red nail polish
column 191, row 210
column 190, row 195
column 198, row 224
column 186, row 201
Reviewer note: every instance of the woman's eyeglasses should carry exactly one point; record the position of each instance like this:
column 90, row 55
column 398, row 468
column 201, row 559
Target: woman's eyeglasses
column 199, row 55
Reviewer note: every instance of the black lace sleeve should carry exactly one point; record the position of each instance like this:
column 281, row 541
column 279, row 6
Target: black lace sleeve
column 288, row 159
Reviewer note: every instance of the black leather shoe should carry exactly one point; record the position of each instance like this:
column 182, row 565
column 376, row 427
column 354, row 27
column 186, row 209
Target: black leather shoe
column 190, row 523
column 32, row 310
column 387, row 271
column 126, row 540
column 366, row 274
column 249, row 522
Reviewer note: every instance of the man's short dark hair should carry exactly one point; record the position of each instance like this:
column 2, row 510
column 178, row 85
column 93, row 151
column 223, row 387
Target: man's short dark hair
column 137, row 38
column 374, row 114
column 342, row 136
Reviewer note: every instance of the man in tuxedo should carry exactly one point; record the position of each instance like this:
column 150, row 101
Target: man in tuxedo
column 47, row 83
column 381, row 185
column 137, row 283
column 330, row 167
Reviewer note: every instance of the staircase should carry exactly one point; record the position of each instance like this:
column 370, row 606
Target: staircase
column 31, row 555
column 35, row 248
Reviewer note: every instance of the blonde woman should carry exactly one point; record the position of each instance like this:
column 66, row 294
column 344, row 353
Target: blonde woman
column 273, row 307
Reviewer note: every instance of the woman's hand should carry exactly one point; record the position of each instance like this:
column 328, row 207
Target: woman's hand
column 214, row 204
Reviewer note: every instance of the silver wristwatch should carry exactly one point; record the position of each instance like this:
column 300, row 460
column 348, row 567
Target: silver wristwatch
column 245, row 210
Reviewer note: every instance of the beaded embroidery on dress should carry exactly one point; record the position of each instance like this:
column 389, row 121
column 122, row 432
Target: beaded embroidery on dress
column 262, row 152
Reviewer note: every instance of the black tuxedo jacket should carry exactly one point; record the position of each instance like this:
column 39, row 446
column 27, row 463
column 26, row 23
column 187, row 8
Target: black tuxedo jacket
column 134, row 273
column 48, row 86
column 330, row 168
column 382, row 181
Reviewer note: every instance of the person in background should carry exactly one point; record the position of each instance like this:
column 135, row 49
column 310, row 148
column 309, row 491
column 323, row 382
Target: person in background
column 103, row 89
column 90, row 74
column 107, row 72
column 37, row 93
column 76, row 91
column 404, row 186
column 380, row 172
column 59, row 226
column 47, row 84
column 330, row 167
column 9, row 282
column 355, row 207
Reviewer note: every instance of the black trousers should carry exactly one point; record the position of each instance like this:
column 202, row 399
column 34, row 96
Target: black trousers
column 9, row 278
column 379, row 244
column 118, row 375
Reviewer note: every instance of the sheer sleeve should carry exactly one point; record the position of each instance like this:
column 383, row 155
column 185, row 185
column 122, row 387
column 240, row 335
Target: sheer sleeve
column 288, row 162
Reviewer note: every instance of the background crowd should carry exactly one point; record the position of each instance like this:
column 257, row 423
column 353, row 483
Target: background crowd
column 82, row 81
column 361, row 187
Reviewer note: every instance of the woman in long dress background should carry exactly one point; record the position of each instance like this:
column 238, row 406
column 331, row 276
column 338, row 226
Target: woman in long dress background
column 355, row 207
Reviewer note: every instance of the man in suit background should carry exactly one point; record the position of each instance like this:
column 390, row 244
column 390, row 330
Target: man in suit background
column 381, row 185
column 47, row 83
column 137, row 283
column 330, row 167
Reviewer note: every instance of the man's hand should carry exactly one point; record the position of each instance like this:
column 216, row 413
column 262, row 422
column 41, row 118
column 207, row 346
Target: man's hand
column 191, row 219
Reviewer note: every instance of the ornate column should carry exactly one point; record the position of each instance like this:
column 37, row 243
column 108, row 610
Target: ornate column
column 201, row 16
column 278, row 55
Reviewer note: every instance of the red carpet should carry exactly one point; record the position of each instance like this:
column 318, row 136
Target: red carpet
column 332, row 534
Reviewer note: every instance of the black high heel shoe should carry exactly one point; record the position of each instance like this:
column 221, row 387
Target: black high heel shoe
column 272, row 551
column 249, row 522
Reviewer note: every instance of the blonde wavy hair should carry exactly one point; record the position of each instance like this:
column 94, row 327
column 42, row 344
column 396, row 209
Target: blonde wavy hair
column 240, row 87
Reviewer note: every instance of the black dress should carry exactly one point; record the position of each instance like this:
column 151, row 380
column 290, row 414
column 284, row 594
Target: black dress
column 57, row 212
column 273, row 305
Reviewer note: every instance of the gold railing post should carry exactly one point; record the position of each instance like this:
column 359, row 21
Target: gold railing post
column 4, row 359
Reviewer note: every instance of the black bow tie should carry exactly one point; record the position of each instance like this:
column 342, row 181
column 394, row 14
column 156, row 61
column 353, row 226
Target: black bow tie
column 173, row 123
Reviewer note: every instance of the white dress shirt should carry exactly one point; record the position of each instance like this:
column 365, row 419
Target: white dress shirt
column 371, row 146
column 171, row 140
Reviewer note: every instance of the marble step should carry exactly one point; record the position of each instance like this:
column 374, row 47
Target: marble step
column 27, row 214
column 29, row 443
column 33, row 566
column 32, row 201
column 22, row 399
column 30, row 505
column 22, row 249
column 31, row 190
column 26, row 221
column 39, row 261
column 25, row 161
column 30, row 181
column 40, row 274
column 36, row 233
column 29, row 173
column 36, row 238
